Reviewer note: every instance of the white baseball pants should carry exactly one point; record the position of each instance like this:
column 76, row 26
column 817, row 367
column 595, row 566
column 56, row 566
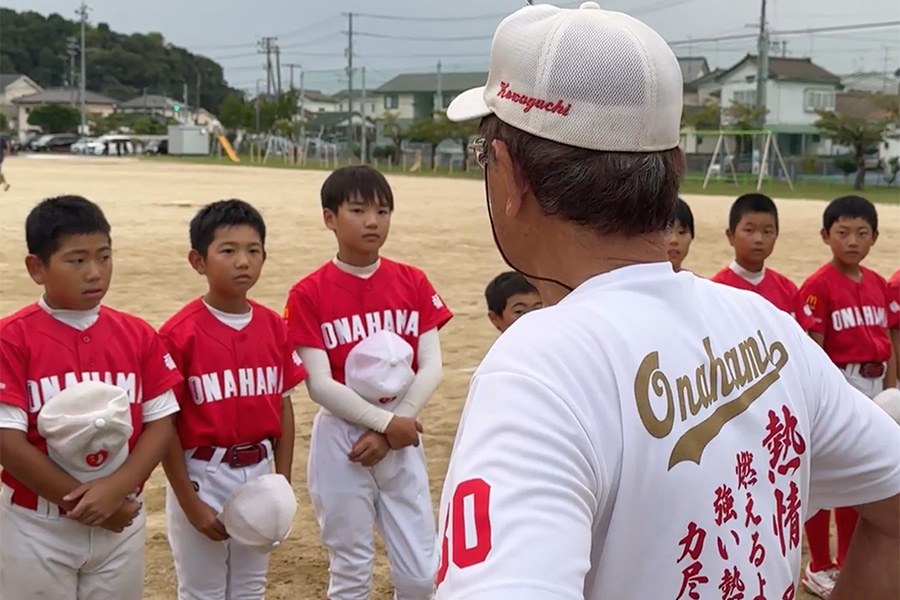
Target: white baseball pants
column 206, row 569
column 46, row 556
column 869, row 386
column 351, row 500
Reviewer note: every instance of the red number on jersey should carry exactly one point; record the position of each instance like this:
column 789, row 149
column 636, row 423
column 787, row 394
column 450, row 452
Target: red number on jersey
column 464, row 555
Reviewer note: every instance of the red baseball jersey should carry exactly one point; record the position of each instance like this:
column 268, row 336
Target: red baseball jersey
column 233, row 379
column 893, row 288
column 40, row 356
column 774, row 287
column 853, row 316
column 333, row 310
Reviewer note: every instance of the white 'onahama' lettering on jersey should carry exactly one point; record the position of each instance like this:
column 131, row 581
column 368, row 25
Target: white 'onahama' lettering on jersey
column 235, row 383
column 41, row 391
column 348, row 330
column 858, row 316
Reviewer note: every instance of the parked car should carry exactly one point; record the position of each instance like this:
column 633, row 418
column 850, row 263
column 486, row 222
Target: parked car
column 81, row 146
column 60, row 142
column 157, row 147
column 111, row 145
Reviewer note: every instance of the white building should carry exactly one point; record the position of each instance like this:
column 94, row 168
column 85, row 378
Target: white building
column 413, row 96
column 12, row 87
column 95, row 104
column 314, row 101
column 872, row 82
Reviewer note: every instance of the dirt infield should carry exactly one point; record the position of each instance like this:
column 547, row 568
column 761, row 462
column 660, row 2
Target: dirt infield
column 439, row 225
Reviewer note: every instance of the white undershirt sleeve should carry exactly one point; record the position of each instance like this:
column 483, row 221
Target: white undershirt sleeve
column 519, row 500
column 13, row 417
column 428, row 375
column 162, row 406
column 854, row 443
column 336, row 397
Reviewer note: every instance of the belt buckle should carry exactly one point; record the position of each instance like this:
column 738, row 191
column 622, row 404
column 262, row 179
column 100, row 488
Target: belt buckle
column 871, row 370
column 236, row 461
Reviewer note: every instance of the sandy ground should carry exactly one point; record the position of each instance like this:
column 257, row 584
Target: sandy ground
column 439, row 225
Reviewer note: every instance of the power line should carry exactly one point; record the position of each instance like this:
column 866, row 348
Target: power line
column 384, row 36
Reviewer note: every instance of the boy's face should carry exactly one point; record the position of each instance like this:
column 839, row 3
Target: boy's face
column 77, row 275
column 233, row 261
column 850, row 239
column 753, row 239
column 678, row 244
column 516, row 306
column 360, row 227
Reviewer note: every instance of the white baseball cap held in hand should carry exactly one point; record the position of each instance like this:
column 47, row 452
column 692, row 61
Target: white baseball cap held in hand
column 260, row 513
column 584, row 77
column 87, row 427
column 379, row 368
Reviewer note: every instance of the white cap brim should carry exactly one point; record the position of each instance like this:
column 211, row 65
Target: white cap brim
column 468, row 105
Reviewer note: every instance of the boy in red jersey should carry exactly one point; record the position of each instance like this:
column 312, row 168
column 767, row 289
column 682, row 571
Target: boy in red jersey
column 851, row 315
column 893, row 286
column 680, row 234
column 366, row 467
column 236, row 415
column 752, row 232
column 61, row 539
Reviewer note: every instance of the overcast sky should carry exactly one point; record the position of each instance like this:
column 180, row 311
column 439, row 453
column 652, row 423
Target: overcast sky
column 313, row 33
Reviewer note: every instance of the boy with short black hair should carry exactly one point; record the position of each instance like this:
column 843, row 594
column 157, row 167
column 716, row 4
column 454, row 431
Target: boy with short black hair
column 509, row 296
column 236, row 415
column 851, row 315
column 752, row 232
column 63, row 539
column 680, row 234
column 366, row 466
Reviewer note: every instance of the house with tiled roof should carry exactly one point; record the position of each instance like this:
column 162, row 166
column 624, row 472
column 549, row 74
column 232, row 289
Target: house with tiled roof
column 412, row 96
column 95, row 103
column 12, row 87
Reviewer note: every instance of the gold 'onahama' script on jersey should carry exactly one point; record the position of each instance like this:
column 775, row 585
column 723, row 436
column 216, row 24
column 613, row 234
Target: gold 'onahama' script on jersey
column 752, row 366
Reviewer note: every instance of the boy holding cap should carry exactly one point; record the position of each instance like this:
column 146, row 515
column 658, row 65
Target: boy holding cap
column 68, row 534
column 646, row 435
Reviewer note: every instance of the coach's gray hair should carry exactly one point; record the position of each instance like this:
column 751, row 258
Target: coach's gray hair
column 623, row 193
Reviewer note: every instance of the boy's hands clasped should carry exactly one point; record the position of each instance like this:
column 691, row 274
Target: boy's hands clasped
column 103, row 503
column 372, row 447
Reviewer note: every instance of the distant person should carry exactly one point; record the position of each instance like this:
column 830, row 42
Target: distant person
column 5, row 150
column 852, row 315
column 752, row 232
column 680, row 234
column 646, row 435
column 509, row 296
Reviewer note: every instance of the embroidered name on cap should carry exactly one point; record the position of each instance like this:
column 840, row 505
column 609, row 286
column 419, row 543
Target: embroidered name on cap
column 530, row 102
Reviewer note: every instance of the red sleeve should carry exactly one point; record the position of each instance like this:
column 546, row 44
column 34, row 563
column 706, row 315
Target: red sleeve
column 302, row 318
column 814, row 295
column 893, row 302
column 432, row 310
column 159, row 373
column 803, row 313
column 13, row 390
column 182, row 393
column 293, row 369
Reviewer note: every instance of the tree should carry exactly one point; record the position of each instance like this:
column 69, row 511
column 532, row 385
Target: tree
column 707, row 116
column 432, row 132
column 393, row 130
column 235, row 112
column 4, row 123
column 55, row 118
column 743, row 117
column 856, row 132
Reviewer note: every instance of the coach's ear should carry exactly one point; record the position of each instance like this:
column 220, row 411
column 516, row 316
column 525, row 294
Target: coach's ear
column 35, row 268
column 197, row 262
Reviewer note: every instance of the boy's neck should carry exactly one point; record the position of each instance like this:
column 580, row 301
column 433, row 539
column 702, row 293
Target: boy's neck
column 854, row 272
column 355, row 259
column 234, row 305
column 749, row 266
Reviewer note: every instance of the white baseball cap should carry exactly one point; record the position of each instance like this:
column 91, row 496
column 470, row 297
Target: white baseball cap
column 584, row 77
column 889, row 401
column 260, row 513
column 380, row 366
column 87, row 427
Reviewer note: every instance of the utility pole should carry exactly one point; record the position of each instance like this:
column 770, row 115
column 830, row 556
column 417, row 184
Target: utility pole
column 265, row 45
column 363, row 148
column 197, row 111
column 440, row 88
column 82, row 12
column 302, row 114
column 72, row 50
column 256, row 105
column 278, row 67
column 291, row 66
column 762, row 77
column 884, row 80
column 350, row 72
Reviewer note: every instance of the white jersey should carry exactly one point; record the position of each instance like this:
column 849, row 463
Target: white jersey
column 654, row 435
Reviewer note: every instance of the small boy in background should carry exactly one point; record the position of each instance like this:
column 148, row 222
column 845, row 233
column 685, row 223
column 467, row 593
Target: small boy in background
column 851, row 315
column 509, row 296
column 752, row 232
column 680, row 234
column 63, row 539
column 236, row 416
